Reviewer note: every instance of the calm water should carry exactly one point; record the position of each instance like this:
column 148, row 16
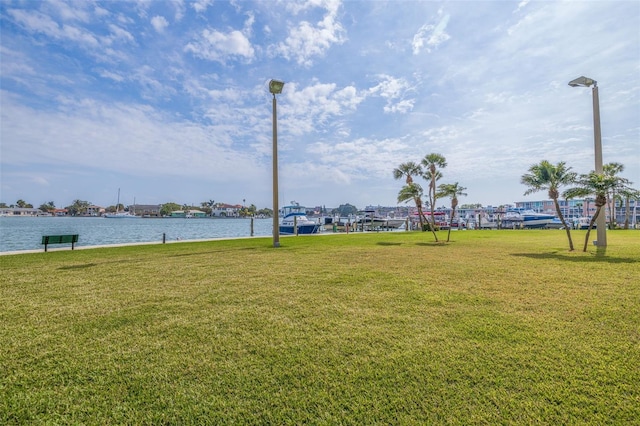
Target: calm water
column 25, row 233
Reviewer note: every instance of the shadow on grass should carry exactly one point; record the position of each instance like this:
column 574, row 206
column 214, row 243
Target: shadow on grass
column 121, row 261
column 599, row 257
column 432, row 244
column 72, row 267
column 386, row 243
column 197, row 253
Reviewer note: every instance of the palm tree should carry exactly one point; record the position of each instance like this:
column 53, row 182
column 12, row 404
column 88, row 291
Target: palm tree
column 413, row 191
column 613, row 170
column 407, row 170
column 48, row 207
column 628, row 194
column 550, row 177
column 431, row 163
column 598, row 184
column 78, row 207
column 451, row 190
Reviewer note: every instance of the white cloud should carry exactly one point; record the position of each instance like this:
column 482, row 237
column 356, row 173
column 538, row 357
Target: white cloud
column 401, row 107
column 214, row 45
column 37, row 22
column 201, row 5
column 15, row 64
column 111, row 75
column 522, row 5
column 118, row 33
column 150, row 86
column 306, row 41
column 101, row 12
column 120, row 137
column 430, row 36
column 295, row 8
column 159, row 23
column 319, row 103
column 180, row 8
column 67, row 11
column 393, row 90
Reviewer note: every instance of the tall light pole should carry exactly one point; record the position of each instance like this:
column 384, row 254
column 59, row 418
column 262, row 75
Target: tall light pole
column 601, row 222
column 275, row 87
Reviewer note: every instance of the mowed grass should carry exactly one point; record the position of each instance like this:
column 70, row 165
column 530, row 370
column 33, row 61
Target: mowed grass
column 496, row 327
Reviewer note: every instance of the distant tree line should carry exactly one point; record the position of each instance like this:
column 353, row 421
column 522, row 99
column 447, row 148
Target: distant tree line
column 80, row 207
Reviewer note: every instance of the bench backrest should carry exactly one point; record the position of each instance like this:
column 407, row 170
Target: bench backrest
column 59, row 239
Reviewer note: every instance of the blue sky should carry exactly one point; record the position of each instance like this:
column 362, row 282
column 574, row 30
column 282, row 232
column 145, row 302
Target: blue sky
column 169, row 100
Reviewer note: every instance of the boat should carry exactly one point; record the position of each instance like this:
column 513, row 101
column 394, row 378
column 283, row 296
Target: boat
column 556, row 223
column 441, row 219
column 458, row 223
column 118, row 214
column 522, row 218
column 371, row 221
column 295, row 221
column 392, row 222
column 486, row 223
column 582, row 223
column 337, row 223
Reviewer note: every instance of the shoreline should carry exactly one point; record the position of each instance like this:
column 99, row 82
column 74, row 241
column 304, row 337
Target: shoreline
column 50, row 249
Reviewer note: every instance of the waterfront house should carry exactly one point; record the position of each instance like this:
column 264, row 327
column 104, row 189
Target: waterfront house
column 188, row 213
column 145, row 210
column 226, row 210
column 19, row 211
column 94, row 211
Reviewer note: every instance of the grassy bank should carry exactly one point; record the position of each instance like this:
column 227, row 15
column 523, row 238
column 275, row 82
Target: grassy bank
column 390, row 328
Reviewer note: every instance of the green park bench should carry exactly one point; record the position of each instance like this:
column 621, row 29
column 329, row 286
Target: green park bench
column 59, row 239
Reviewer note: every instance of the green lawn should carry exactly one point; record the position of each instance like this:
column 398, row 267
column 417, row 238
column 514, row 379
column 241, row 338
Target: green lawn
column 503, row 327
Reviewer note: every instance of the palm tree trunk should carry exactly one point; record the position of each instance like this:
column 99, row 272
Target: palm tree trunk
column 627, row 212
column 420, row 214
column 612, row 210
column 564, row 224
column 453, row 213
column 593, row 220
column 432, row 202
column 433, row 231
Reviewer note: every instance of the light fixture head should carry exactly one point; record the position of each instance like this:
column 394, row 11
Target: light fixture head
column 275, row 86
column 583, row 82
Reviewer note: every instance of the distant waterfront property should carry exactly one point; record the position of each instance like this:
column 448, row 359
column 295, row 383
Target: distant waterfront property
column 188, row 213
column 572, row 209
column 20, row 211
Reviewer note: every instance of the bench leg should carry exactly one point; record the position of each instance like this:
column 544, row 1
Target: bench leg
column 45, row 247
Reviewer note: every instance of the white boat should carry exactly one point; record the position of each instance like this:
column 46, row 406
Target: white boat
column 526, row 219
column 118, row 214
column 391, row 222
column 582, row 223
column 485, row 223
column 370, row 220
column 556, row 223
column 295, row 221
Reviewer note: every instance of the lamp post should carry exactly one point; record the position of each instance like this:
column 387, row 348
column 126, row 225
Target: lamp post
column 601, row 222
column 275, row 87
